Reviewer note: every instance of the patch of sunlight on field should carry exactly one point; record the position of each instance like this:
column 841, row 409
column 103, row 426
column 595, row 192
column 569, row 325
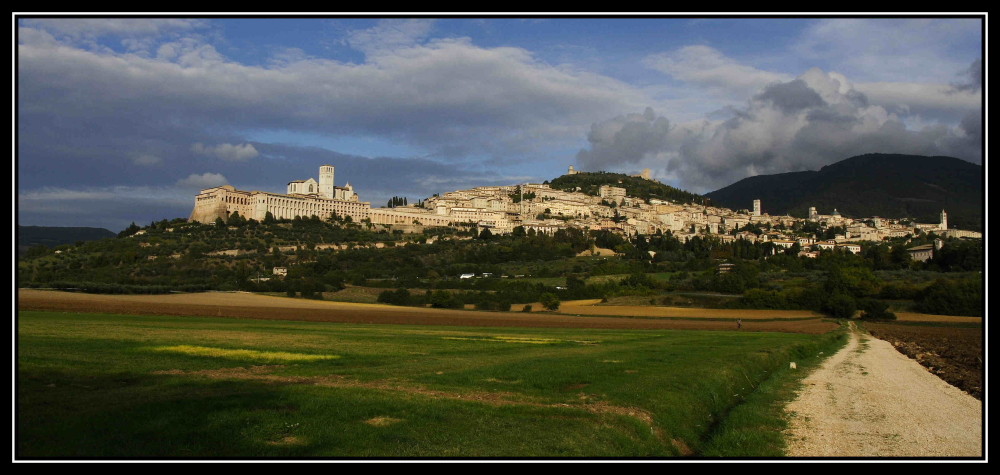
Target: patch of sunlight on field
column 265, row 356
column 516, row 339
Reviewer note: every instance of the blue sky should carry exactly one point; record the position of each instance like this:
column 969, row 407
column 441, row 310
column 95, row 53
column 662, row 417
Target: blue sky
column 124, row 119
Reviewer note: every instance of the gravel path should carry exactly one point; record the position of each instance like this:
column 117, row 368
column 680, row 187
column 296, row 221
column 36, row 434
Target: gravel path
column 868, row 400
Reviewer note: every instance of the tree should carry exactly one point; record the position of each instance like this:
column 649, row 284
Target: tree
column 953, row 297
column 550, row 301
column 396, row 297
column 132, row 229
column 855, row 281
column 444, row 299
column 840, row 305
column 236, row 220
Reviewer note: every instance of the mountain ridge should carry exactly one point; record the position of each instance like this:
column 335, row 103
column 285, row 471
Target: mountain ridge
column 876, row 184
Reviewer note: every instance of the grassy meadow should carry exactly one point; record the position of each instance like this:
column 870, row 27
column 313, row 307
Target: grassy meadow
column 140, row 387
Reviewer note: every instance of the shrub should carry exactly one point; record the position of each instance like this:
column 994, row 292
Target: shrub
column 899, row 291
column 444, row 299
column 395, row 297
column 951, row 297
column 840, row 306
column 550, row 301
column 873, row 309
column 762, row 299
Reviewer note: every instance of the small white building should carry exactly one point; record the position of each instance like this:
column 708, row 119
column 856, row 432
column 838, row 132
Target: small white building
column 852, row 248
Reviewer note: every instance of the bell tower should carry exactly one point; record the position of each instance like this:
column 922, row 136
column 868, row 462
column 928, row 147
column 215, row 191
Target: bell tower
column 326, row 181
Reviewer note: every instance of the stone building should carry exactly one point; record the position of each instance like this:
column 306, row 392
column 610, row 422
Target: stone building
column 304, row 198
column 612, row 193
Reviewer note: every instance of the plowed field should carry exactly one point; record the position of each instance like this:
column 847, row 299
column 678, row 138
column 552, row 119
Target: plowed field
column 953, row 354
column 245, row 305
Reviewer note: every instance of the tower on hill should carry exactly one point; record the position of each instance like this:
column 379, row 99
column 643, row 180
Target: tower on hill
column 326, row 181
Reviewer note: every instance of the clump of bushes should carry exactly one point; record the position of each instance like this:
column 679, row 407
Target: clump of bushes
column 114, row 288
column 953, row 297
column 873, row 309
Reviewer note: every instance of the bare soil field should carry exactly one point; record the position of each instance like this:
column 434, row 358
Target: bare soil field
column 926, row 317
column 953, row 354
column 246, row 305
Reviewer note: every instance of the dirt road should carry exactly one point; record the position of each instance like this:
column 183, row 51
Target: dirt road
column 868, row 400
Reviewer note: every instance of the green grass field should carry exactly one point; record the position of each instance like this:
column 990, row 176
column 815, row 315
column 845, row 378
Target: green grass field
column 118, row 386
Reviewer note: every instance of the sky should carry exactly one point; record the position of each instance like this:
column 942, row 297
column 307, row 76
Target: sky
column 124, row 119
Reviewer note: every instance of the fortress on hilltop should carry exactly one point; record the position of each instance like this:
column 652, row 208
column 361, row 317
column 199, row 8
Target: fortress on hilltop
column 303, row 198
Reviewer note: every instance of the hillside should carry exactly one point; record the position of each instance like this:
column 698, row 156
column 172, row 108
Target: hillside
column 52, row 236
column 886, row 185
column 589, row 183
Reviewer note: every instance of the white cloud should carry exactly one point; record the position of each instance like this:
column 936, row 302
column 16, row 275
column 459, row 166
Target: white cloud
column 62, row 194
column 390, row 34
column 708, row 68
column 933, row 101
column 147, row 160
column 227, row 152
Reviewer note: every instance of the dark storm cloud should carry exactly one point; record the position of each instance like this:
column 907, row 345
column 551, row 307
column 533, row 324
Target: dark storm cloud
column 803, row 124
column 972, row 78
column 625, row 139
column 125, row 109
column 791, row 97
column 447, row 95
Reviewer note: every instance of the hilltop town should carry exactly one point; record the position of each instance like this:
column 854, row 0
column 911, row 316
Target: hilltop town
column 541, row 208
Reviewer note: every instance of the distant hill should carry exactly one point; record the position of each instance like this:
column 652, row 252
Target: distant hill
column 885, row 185
column 590, row 182
column 52, row 236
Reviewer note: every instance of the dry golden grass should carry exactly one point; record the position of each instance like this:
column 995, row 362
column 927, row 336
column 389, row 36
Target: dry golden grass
column 597, row 251
column 383, row 421
column 924, row 317
column 254, row 355
column 525, row 340
column 254, row 306
column 591, row 307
